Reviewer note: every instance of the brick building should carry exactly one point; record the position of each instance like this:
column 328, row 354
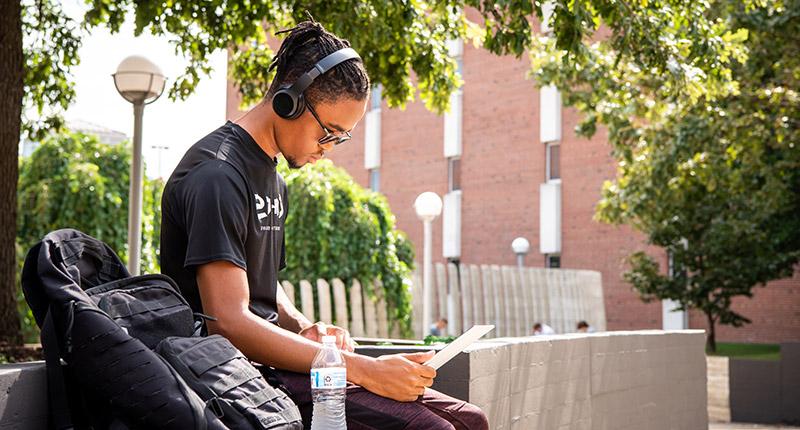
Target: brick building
column 488, row 160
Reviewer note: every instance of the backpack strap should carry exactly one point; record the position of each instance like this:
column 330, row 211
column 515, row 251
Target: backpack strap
column 214, row 354
column 56, row 387
column 126, row 309
column 258, row 398
column 235, row 379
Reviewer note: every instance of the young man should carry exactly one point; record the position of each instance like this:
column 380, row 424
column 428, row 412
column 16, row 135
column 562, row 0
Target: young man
column 584, row 327
column 440, row 328
column 222, row 239
column 542, row 329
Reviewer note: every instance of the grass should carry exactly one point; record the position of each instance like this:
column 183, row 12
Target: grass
column 749, row 351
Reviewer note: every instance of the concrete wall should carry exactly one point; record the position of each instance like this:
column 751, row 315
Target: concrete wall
column 719, row 396
column 23, row 396
column 759, row 391
column 764, row 391
column 616, row 380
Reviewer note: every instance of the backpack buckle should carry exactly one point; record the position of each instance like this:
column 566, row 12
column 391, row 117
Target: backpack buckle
column 216, row 407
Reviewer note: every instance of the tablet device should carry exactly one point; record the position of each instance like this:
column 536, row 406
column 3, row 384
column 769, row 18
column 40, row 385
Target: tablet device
column 458, row 345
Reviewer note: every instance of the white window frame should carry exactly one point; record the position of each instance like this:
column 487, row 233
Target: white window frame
column 549, row 114
column 372, row 132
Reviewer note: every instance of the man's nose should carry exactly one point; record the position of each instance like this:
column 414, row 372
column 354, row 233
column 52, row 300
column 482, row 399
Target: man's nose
column 328, row 146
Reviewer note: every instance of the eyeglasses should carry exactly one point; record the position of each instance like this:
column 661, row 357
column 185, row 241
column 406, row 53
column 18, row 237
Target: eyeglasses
column 329, row 137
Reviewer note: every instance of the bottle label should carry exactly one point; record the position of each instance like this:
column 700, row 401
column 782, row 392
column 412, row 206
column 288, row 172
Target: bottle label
column 328, row 378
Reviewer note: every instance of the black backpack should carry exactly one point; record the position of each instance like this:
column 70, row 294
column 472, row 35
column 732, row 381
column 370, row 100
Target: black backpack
column 224, row 377
column 104, row 325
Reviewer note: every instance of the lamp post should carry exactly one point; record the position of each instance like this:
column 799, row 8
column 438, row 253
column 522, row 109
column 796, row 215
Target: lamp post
column 139, row 81
column 428, row 206
column 520, row 246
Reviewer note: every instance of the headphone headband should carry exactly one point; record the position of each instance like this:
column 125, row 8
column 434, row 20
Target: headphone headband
column 330, row 61
column 289, row 102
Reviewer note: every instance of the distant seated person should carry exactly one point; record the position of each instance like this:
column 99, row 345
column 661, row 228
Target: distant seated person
column 440, row 328
column 584, row 327
column 542, row 329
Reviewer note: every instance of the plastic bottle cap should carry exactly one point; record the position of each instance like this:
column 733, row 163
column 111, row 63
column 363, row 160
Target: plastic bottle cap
column 329, row 339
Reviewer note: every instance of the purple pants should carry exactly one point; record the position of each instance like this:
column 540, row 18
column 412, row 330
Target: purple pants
column 368, row 411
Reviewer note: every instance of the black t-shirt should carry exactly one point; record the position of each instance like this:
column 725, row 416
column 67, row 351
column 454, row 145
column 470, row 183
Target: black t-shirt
column 225, row 201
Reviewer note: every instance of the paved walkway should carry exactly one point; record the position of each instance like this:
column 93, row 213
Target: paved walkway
column 745, row 426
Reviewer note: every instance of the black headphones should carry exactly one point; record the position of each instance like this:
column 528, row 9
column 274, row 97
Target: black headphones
column 288, row 102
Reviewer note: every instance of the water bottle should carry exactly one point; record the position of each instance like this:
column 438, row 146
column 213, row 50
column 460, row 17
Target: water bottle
column 328, row 385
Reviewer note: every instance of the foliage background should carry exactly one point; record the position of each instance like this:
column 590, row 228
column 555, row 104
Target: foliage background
column 72, row 180
column 335, row 227
column 338, row 229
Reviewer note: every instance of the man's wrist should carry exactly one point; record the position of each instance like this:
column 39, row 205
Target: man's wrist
column 357, row 367
column 303, row 323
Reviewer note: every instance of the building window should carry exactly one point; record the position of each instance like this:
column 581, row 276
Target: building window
column 553, row 160
column 453, row 174
column 375, row 180
column 552, row 261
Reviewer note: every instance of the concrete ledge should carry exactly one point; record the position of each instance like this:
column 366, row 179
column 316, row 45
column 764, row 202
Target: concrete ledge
column 765, row 391
column 615, row 380
column 23, row 396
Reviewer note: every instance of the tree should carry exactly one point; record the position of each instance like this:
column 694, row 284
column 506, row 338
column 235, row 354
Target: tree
column 11, row 87
column 338, row 229
column 712, row 180
column 398, row 40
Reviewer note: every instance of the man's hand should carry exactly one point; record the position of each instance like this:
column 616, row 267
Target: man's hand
column 315, row 332
column 401, row 377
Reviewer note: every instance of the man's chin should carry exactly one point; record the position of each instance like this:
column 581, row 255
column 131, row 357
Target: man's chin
column 292, row 162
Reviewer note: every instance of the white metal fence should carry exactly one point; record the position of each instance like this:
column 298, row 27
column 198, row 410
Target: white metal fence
column 511, row 298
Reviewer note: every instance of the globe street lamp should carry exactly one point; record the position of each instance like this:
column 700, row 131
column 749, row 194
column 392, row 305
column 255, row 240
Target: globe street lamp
column 139, row 81
column 520, row 246
column 428, row 206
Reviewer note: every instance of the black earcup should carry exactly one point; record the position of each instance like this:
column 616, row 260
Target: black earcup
column 288, row 105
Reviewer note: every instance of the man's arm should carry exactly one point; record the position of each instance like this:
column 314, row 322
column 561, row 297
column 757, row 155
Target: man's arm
column 293, row 320
column 225, row 295
column 288, row 316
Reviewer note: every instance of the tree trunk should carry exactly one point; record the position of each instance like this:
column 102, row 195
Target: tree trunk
column 11, row 88
column 711, row 340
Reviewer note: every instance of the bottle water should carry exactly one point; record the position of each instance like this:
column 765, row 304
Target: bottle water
column 328, row 385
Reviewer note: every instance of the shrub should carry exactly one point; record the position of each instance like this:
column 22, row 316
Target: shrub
column 338, row 229
column 73, row 180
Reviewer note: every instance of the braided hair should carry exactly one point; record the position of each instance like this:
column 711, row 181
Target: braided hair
column 307, row 44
